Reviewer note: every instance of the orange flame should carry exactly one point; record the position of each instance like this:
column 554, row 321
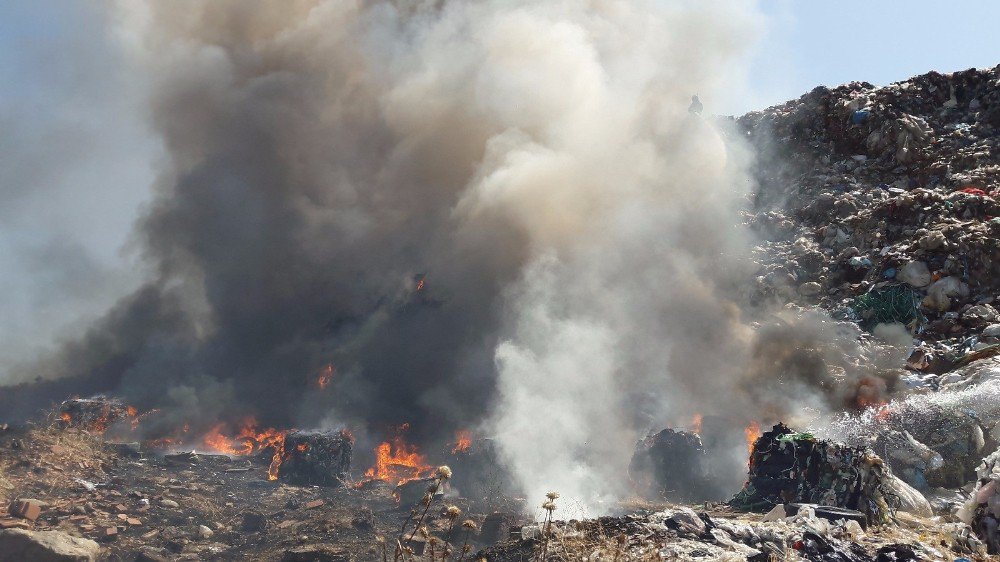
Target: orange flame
column 109, row 418
column 463, row 440
column 862, row 402
column 696, row 423
column 396, row 461
column 162, row 443
column 277, row 458
column 420, row 285
column 325, row 374
column 881, row 411
column 219, row 443
column 137, row 417
column 752, row 433
column 248, row 440
column 100, row 425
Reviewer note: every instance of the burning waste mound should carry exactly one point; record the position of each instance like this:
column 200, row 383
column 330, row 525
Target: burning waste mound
column 480, row 472
column 98, row 414
column 788, row 467
column 671, row 465
column 316, row 458
column 298, row 457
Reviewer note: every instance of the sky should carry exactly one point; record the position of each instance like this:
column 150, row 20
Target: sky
column 77, row 159
column 76, row 162
column 807, row 43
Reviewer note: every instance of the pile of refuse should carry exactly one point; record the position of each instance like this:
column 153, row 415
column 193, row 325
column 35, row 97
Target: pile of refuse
column 805, row 498
column 982, row 510
column 881, row 203
column 314, row 458
column 788, row 467
column 681, row 533
column 671, row 465
column 99, row 413
column 881, row 206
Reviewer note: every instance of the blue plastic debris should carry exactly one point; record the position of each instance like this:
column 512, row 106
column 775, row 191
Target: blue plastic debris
column 860, row 116
column 890, row 273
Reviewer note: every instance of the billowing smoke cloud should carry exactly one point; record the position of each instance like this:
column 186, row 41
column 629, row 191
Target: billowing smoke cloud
column 497, row 215
column 624, row 315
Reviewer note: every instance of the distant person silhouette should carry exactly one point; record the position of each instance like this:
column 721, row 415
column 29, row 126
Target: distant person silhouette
column 695, row 106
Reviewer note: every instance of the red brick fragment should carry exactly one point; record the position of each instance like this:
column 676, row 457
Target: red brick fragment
column 25, row 509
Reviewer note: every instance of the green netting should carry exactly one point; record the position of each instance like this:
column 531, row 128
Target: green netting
column 892, row 303
column 793, row 437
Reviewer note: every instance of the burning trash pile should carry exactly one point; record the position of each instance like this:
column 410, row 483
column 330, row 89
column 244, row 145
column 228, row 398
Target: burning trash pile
column 788, row 467
column 878, row 206
column 298, row 457
column 480, row 474
column 98, row 414
column 804, row 498
column 311, row 458
column 672, row 465
column 315, row 458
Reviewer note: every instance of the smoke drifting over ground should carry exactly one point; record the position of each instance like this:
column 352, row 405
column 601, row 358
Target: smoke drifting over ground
column 496, row 215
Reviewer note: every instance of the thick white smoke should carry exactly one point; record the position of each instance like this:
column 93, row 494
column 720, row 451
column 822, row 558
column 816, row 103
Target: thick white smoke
column 623, row 315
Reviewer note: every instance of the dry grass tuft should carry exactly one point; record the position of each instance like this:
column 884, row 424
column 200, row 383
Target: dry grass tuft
column 63, row 455
column 5, row 484
column 208, row 505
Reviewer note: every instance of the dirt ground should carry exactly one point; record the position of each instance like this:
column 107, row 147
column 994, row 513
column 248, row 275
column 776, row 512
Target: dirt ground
column 212, row 507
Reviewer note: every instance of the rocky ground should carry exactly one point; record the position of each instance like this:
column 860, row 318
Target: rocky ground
column 214, row 507
column 195, row 508
column 875, row 205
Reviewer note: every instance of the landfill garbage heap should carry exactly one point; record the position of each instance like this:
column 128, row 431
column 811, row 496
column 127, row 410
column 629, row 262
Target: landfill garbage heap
column 880, row 203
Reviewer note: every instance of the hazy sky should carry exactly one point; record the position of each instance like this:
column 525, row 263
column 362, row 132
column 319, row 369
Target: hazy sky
column 76, row 159
column 813, row 42
column 75, row 164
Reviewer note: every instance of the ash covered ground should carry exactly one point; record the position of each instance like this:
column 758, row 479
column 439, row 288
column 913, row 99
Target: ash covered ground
column 878, row 221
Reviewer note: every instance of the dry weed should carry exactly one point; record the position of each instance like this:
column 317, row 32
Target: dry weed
column 5, row 484
column 208, row 505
